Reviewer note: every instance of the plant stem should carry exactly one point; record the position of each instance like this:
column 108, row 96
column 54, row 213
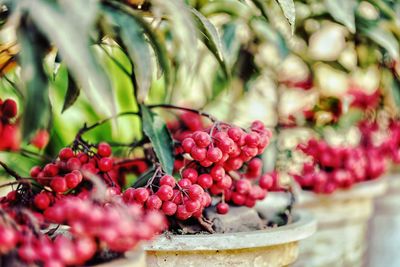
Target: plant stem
column 169, row 106
column 10, row 171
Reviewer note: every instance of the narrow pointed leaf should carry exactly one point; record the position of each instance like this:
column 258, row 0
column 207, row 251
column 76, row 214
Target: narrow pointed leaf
column 72, row 93
column 289, row 11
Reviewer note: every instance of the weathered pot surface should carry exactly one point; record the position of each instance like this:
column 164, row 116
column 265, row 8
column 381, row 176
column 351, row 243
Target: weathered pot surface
column 135, row 258
column 271, row 247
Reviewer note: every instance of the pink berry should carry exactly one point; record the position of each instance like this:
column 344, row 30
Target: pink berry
column 104, row 150
column 222, row 208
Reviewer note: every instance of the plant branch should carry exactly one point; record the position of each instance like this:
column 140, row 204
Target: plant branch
column 10, row 171
column 169, row 106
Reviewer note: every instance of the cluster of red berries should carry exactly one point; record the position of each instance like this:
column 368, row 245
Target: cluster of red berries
column 10, row 137
column 210, row 162
column 73, row 167
column 91, row 226
column 334, row 167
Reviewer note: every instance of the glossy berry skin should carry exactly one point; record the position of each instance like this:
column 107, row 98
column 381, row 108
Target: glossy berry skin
column 41, row 139
column 190, row 174
column 141, row 195
column 201, row 139
column 106, row 164
column 168, row 180
column 214, row 154
column 59, row 184
column 73, row 180
column 188, row 144
column 222, row 208
column 195, row 192
column 104, row 150
column 153, row 202
column 42, row 201
column 165, row 192
column 205, row 181
column 266, row 181
column 198, row 153
column 66, row 153
column 169, row 208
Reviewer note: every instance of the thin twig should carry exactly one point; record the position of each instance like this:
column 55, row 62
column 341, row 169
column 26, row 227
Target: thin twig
column 10, row 171
column 201, row 113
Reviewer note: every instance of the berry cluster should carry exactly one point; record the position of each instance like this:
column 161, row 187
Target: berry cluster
column 218, row 162
column 73, row 167
column 10, row 138
column 92, row 226
column 332, row 167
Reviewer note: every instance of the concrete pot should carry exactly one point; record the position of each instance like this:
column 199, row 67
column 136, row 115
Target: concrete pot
column 384, row 227
column 272, row 247
column 342, row 225
column 136, row 258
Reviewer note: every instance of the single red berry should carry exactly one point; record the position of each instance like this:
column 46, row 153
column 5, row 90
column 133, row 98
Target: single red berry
column 165, row 192
column 9, row 108
column 153, row 202
column 104, row 150
column 235, row 133
column 51, row 170
column 214, row 154
column 202, row 139
column 73, row 164
column 8, row 238
column 85, row 248
column 222, row 208
column 192, row 205
column 169, row 208
column 106, row 164
column 250, row 202
column 217, row 173
column 128, row 195
column 225, row 183
column 73, row 180
column 168, row 180
column 187, row 144
column 205, row 181
column 190, row 174
column 195, row 191
column 257, row 126
column 182, row 213
column 59, row 184
column 243, row 186
column 66, row 153
column 41, row 201
column 266, row 181
column 141, row 195
column 27, row 253
column 238, row 198
column 35, row 171
column 185, row 183
column 198, row 153
column 206, row 163
column 41, row 139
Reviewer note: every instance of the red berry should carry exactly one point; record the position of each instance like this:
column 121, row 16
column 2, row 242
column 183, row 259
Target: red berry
column 206, row 163
column 27, row 253
column 202, row 139
column 235, row 133
column 238, row 199
column 182, row 213
column 192, row 205
column 85, row 248
column 8, row 239
column 59, row 184
column 141, row 195
column 73, row 180
column 165, row 192
column 9, row 109
column 66, row 153
column 51, row 170
column 128, row 195
column 198, row 153
column 195, row 191
column 243, row 186
column 185, row 183
column 217, row 173
column 222, row 208
column 41, row 201
column 169, row 208
column 73, row 164
column 106, row 164
column 190, row 174
column 205, row 181
column 188, row 144
column 153, row 202
column 35, row 171
column 41, row 139
column 168, row 180
column 214, row 154
column 104, row 150
column 225, row 183
column 266, row 181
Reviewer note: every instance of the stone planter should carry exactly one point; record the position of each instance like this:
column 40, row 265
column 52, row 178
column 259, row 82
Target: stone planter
column 384, row 227
column 342, row 225
column 136, row 258
column 272, row 247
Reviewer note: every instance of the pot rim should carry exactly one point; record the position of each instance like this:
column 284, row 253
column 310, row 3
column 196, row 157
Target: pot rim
column 304, row 225
column 366, row 189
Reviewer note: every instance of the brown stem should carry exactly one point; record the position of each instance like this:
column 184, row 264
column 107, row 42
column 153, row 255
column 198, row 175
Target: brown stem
column 169, row 106
column 10, row 171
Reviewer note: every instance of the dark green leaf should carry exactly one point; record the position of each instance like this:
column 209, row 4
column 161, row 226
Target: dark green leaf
column 132, row 35
column 144, row 178
column 343, row 12
column 68, row 27
column 156, row 130
column 211, row 39
column 37, row 106
column 289, row 11
column 72, row 93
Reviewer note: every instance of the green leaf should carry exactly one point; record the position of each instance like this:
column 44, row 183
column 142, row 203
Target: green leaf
column 37, row 105
column 144, row 178
column 211, row 39
column 289, row 11
column 384, row 39
column 260, row 4
column 232, row 7
column 156, row 130
column 343, row 12
column 72, row 93
column 68, row 26
column 350, row 118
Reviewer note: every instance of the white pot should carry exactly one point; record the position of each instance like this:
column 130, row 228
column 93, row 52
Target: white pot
column 342, row 225
column 384, row 227
column 271, row 247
